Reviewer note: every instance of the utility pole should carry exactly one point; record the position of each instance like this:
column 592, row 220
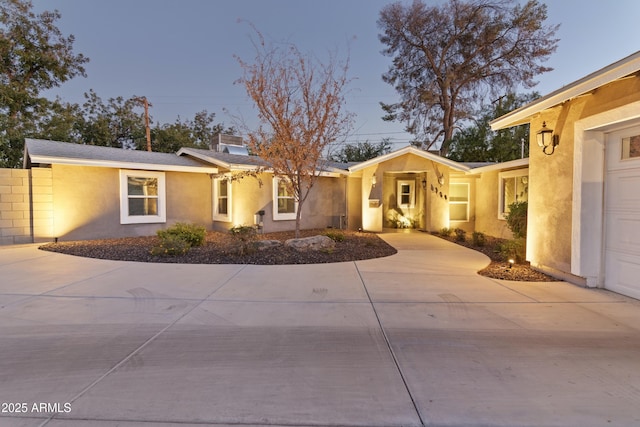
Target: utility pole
column 146, row 104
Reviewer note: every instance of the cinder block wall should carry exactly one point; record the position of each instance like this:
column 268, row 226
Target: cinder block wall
column 26, row 206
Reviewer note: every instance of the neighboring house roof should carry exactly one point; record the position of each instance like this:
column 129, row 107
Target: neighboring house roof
column 242, row 162
column 623, row 68
column 410, row 150
column 54, row 152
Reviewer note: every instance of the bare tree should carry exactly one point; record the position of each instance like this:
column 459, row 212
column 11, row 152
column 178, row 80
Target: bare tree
column 447, row 58
column 300, row 103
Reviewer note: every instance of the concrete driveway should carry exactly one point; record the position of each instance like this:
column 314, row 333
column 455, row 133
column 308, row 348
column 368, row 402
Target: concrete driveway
column 409, row 340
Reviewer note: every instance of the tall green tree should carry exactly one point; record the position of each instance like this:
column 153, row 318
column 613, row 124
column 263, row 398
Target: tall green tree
column 448, row 57
column 478, row 143
column 34, row 56
column 361, row 151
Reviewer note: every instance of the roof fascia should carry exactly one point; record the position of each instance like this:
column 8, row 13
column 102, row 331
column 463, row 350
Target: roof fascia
column 409, row 150
column 119, row 165
column 511, row 164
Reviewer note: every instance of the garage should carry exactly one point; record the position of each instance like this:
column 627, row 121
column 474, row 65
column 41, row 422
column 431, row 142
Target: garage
column 622, row 212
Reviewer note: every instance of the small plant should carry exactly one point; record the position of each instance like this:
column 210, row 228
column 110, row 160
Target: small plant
column 517, row 219
column 191, row 233
column 461, row 235
column 478, row 238
column 171, row 245
column 336, row 236
column 445, row 232
column 514, row 249
column 245, row 237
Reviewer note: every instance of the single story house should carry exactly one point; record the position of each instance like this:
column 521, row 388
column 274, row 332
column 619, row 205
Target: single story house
column 581, row 183
column 96, row 192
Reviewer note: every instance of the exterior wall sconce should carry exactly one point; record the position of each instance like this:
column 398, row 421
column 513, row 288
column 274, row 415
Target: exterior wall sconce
column 547, row 140
column 374, row 181
column 424, row 184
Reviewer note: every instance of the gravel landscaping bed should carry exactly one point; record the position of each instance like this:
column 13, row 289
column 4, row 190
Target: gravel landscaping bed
column 499, row 268
column 220, row 248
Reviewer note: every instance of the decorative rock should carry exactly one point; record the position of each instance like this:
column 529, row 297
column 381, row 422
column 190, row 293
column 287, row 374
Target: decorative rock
column 261, row 245
column 313, row 243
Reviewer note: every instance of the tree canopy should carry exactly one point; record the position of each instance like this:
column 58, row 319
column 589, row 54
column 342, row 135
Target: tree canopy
column 300, row 106
column 34, row 56
column 361, row 151
column 478, row 143
column 446, row 59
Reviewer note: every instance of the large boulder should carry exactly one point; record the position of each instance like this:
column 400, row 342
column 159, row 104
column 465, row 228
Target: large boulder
column 313, row 243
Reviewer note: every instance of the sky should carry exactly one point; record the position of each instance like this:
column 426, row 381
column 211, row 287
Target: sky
column 180, row 53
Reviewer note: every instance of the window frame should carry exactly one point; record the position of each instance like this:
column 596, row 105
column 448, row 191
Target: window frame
column 277, row 216
column 502, row 177
column 217, row 216
column 412, row 193
column 161, row 197
column 466, row 202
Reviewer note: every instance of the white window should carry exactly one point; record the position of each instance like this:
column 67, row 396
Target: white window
column 284, row 203
column 514, row 187
column 142, row 197
column 406, row 194
column 459, row 201
column 222, row 199
column 631, row 147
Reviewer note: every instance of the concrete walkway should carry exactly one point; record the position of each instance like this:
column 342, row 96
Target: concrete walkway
column 413, row 339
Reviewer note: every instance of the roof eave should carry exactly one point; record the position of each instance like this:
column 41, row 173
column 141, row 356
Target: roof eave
column 119, row 165
column 409, row 150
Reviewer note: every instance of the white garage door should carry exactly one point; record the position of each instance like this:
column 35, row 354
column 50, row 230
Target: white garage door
column 622, row 212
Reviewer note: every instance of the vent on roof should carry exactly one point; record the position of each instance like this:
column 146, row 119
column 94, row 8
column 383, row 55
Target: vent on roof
column 234, row 149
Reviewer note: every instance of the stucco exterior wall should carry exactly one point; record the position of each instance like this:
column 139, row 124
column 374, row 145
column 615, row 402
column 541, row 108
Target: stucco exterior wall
column 432, row 215
column 324, row 207
column 486, row 207
column 551, row 197
column 26, row 208
column 86, row 203
column 354, row 200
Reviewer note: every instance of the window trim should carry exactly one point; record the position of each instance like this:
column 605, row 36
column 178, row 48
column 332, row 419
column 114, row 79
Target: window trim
column 466, row 202
column 217, row 216
column 125, row 218
column 501, row 178
column 277, row 216
column 412, row 193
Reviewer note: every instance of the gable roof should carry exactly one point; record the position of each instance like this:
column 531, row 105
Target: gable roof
column 410, row 150
column 620, row 69
column 55, row 152
column 242, row 162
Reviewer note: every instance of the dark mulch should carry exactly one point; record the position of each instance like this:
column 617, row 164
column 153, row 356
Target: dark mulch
column 499, row 268
column 220, row 248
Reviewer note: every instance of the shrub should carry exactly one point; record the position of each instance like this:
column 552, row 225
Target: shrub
column 445, row 232
column 478, row 238
column 171, row 245
column 514, row 249
column 336, row 236
column 191, row 233
column 461, row 235
column 245, row 237
column 517, row 219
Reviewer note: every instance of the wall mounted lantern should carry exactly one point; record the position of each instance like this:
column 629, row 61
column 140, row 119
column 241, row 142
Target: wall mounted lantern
column 424, row 184
column 374, row 181
column 547, row 140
